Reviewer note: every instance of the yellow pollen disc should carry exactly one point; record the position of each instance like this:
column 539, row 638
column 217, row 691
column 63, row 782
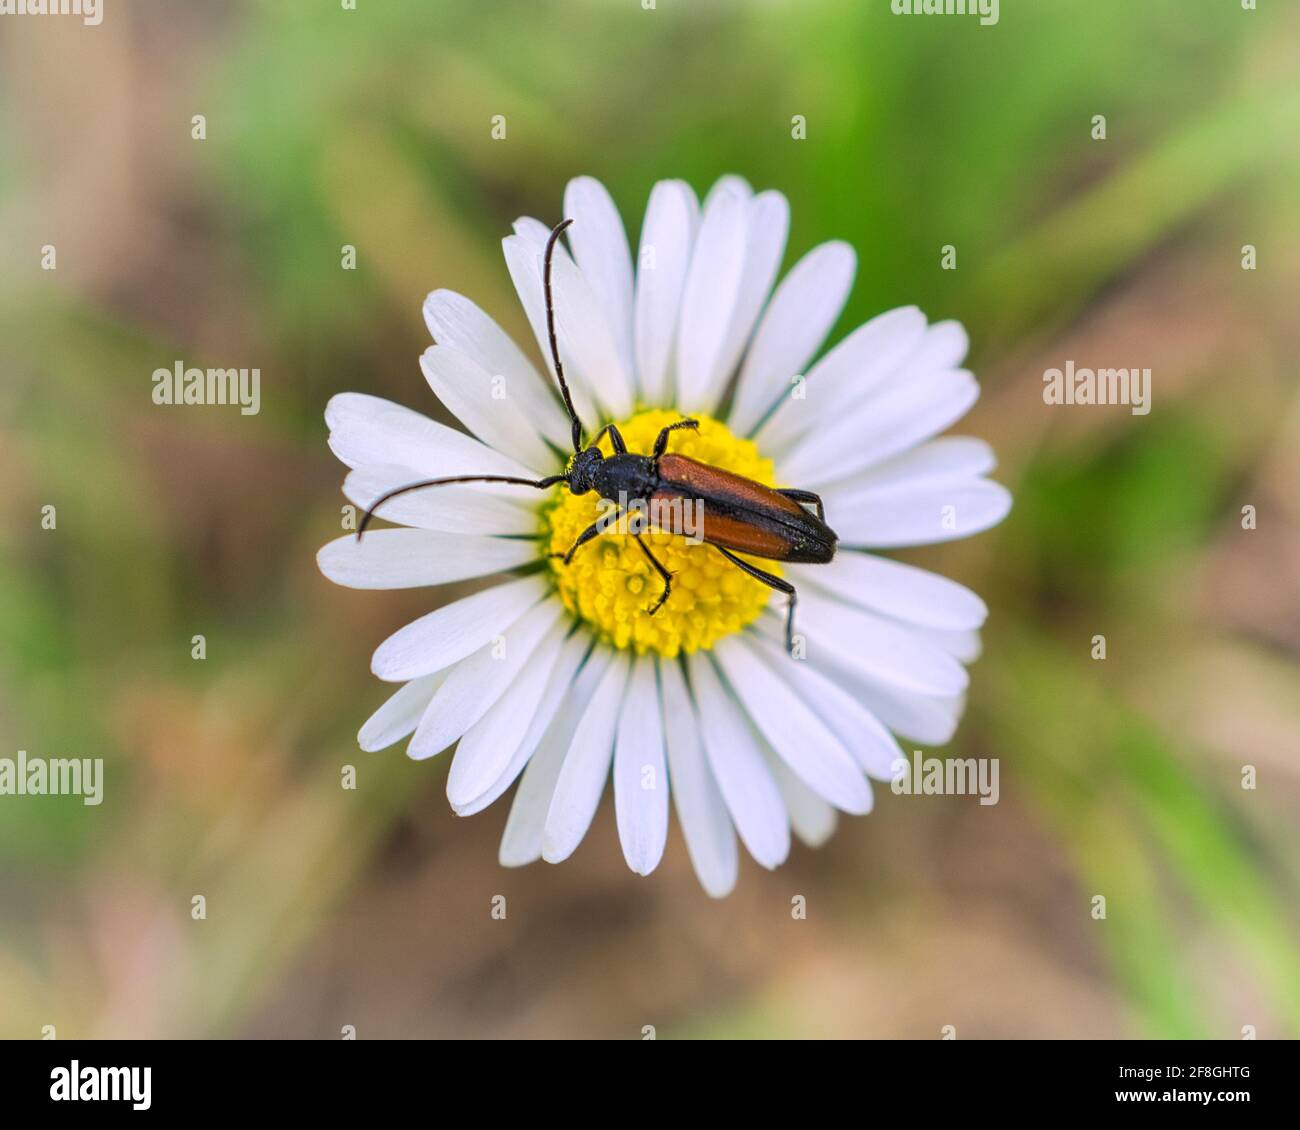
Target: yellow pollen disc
column 612, row 586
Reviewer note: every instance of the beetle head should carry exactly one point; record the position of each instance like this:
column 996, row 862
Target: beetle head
column 581, row 468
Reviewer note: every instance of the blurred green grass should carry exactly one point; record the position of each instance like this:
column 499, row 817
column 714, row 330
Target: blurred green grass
column 372, row 129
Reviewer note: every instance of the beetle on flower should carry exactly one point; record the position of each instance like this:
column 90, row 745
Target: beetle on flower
column 737, row 513
column 650, row 653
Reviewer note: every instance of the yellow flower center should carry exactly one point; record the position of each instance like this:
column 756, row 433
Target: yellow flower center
column 612, row 586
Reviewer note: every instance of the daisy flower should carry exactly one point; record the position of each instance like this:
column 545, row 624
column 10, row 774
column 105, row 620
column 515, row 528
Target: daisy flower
column 557, row 676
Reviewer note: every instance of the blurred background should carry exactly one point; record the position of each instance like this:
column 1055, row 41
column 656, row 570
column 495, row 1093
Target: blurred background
column 1120, row 777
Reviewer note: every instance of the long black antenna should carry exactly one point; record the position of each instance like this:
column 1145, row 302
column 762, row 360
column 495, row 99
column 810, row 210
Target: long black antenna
column 550, row 329
column 540, row 484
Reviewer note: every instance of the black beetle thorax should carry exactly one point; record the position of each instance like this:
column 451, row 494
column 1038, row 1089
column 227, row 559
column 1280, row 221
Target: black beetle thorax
column 625, row 477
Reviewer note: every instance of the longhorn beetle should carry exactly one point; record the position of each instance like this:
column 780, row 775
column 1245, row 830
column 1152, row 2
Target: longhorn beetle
column 739, row 515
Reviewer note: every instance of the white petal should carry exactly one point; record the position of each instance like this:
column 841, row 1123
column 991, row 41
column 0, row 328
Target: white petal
column 949, row 457
column 521, row 842
column 486, row 404
column 405, row 558
column 882, row 359
column 454, row 320
column 450, row 633
column 811, row 818
column 767, row 226
column 710, row 840
column 797, row 735
column 895, row 589
column 599, row 244
column 485, row 750
column 666, row 239
column 477, row 682
column 929, row 720
column 882, row 426
column 924, row 719
column 847, row 375
column 640, row 772
column 456, row 509
column 399, row 716
column 559, row 687
column 963, row 646
column 524, row 260
column 869, row 742
column 930, row 511
column 945, row 347
column 587, row 345
column 586, row 766
column 736, row 758
column 366, row 431
column 800, row 315
column 537, row 233
column 731, row 184
column 709, row 297
column 884, row 650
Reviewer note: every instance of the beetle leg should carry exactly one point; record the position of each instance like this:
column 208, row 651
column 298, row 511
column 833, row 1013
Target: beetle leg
column 663, row 572
column 599, row 526
column 615, row 439
column 805, row 496
column 578, row 542
column 772, row 582
column 661, row 441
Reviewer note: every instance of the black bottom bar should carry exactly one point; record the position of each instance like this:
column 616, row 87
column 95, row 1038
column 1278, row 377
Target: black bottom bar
column 364, row 1077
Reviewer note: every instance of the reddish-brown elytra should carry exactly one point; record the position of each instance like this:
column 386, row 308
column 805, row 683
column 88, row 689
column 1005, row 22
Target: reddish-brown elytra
column 737, row 515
